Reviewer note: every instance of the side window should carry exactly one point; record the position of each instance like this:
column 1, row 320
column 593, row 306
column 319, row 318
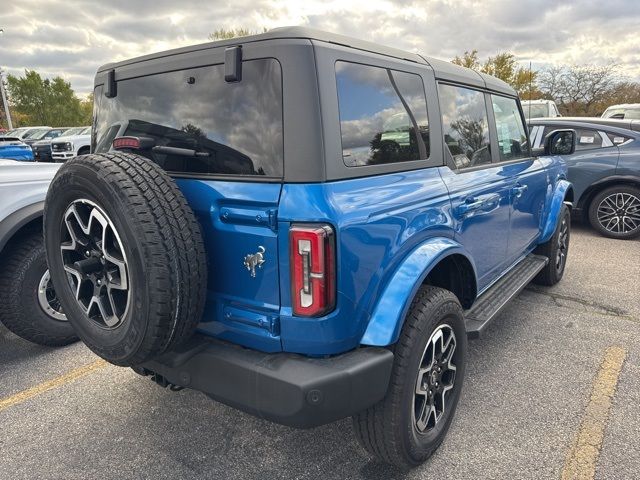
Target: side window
column 587, row 139
column 617, row 139
column 383, row 115
column 465, row 125
column 512, row 136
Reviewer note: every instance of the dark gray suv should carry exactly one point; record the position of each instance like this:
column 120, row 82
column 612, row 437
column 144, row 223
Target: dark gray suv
column 604, row 170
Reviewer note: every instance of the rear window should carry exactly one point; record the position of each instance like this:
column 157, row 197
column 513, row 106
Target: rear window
column 223, row 128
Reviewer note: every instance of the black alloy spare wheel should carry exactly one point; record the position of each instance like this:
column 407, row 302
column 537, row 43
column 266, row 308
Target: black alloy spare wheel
column 126, row 256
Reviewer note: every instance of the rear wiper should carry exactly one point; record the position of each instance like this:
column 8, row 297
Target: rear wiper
column 184, row 152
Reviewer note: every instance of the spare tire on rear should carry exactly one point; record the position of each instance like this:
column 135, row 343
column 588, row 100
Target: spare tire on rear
column 126, row 256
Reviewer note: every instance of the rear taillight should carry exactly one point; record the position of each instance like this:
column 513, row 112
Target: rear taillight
column 313, row 271
column 126, row 142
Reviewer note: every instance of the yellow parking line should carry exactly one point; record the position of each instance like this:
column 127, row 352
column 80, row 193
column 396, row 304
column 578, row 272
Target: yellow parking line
column 51, row 384
column 581, row 460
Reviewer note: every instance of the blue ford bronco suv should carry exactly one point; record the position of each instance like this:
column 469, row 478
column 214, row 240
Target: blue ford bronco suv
column 306, row 227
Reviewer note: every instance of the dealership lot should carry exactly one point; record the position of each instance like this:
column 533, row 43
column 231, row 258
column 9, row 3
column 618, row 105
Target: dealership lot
column 530, row 392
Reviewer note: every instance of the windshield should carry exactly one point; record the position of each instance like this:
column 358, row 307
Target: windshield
column 74, row 131
column 622, row 113
column 535, row 111
column 196, row 122
column 39, row 134
column 54, row 133
column 36, row 134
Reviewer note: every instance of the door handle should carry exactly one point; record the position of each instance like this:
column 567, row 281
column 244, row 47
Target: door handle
column 472, row 204
column 518, row 190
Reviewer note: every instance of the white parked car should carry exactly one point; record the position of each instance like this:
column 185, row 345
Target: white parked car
column 68, row 146
column 29, row 306
column 625, row 111
column 540, row 109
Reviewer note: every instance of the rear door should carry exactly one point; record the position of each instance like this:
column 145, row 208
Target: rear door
column 479, row 189
column 223, row 143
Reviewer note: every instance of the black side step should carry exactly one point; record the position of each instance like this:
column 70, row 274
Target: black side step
column 490, row 303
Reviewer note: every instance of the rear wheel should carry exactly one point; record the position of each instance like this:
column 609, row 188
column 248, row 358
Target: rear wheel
column 29, row 306
column 615, row 212
column 410, row 423
column 126, row 256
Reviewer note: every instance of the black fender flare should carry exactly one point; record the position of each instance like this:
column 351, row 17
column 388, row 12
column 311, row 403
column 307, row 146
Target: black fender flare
column 18, row 219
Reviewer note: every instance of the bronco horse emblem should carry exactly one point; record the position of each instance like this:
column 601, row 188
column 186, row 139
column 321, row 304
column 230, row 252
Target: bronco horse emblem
column 252, row 261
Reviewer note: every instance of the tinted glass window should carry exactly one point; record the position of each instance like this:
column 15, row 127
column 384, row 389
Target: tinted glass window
column 380, row 112
column 586, row 139
column 465, row 125
column 222, row 128
column 512, row 136
column 617, row 139
column 535, row 111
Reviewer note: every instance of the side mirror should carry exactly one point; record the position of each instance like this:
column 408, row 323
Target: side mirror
column 560, row 142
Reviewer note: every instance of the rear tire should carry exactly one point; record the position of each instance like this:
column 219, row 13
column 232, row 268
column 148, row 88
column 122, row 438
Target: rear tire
column 24, row 310
column 395, row 429
column 556, row 249
column 126, row 256
column 615, row 212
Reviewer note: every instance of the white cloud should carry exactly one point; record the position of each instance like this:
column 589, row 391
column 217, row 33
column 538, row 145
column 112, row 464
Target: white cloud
column 72, row 38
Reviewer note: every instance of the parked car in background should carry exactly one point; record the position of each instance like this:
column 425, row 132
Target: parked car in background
column 44, row 134
column 625, row 111
column 332, row 255
column 71, row 145
column 28, row 304
column 629, row 124
column 540, row 108
column 42, row 148
column 604, row 171
column 23, row 132
column 14, row 148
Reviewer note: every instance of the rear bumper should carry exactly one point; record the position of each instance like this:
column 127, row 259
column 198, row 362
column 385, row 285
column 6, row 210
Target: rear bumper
column 285, row 388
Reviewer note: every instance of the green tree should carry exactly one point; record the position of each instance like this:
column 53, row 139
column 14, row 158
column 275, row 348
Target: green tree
column 44, row 101
column 225, row 34
column 86, row 110
column 505, row 67
column 469, row 60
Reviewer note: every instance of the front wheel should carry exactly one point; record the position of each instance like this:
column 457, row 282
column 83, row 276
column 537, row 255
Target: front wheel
column 556, row 249
column 409, row 424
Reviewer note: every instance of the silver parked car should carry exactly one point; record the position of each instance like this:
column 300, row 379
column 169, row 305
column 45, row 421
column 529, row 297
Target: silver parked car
column 28, row 304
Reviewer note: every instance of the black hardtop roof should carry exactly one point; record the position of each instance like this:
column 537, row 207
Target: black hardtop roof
column 442, row 69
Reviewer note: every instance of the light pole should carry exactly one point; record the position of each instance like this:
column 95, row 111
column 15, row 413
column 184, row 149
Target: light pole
column 4, row 97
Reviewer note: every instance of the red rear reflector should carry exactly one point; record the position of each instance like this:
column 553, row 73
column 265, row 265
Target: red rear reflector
column 126, row 142
column 312, row 259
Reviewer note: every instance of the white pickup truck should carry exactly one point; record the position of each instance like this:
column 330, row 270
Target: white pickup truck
column 28, row 304
column 69, row 146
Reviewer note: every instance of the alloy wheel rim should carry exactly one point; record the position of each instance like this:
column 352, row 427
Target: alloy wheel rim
column 619, row 213
column 435, row 380
column 48, row 299
column 563, row 245
column 96, row 264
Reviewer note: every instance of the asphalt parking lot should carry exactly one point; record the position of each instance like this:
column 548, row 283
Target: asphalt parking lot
column 535, row 403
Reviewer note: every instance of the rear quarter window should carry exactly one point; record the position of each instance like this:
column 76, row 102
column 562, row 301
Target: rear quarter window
column 233, row 128
column 383, row 115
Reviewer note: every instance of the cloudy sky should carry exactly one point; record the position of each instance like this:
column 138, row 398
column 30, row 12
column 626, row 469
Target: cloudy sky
column 72, row 38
